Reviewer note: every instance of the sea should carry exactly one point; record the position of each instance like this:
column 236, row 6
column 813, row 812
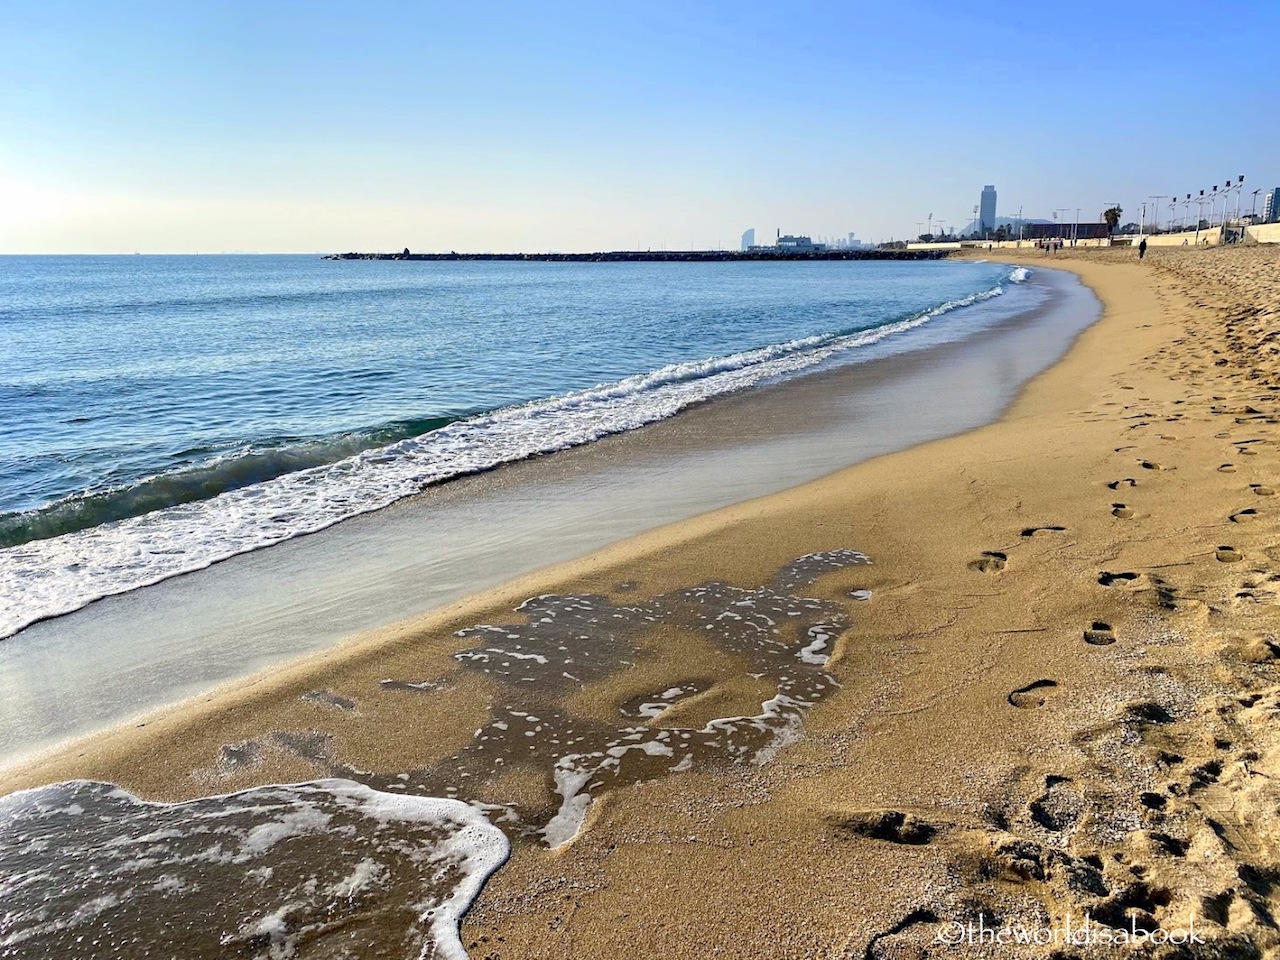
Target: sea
column 159, row 414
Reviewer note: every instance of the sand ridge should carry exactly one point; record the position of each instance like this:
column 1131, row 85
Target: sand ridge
column 1058, row 698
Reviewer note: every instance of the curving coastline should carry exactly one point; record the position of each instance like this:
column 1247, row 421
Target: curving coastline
column 1089, row 582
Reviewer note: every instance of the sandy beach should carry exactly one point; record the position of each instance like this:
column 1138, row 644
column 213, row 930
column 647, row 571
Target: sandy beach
column 1052, row 685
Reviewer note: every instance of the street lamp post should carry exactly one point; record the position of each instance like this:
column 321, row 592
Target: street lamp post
column 1155, row 210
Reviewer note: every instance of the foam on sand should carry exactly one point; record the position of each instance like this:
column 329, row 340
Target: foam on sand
column 92, row 871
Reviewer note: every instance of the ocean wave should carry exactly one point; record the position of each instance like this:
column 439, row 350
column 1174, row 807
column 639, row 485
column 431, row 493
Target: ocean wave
column 44, row 578
column 221, row 474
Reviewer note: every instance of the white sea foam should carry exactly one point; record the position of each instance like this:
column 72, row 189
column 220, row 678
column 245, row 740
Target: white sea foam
column 46, row 578
column 261, row 869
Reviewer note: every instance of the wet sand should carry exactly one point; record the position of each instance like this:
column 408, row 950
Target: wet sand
column 1057, row 679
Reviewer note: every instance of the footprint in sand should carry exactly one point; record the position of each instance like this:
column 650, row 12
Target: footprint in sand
column 892, row 826
column 1147, row 712
column 1033, row 695
column 1126, row 482
column 1246, row 515
column 1227, row 468
column 1149, row 465
column 1108, row 579
column 1032, row 531
column 1122, row 512
column 1100, row 634
column 1228, row 555
column 1059, row 807
column 991, row 561
column 1261, row 491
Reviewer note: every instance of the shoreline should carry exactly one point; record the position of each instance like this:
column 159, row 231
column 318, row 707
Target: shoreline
column 1114, row 646
column 371, row 571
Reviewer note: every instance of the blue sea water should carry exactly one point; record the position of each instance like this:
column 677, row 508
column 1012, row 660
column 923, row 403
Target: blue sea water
column 158, row 414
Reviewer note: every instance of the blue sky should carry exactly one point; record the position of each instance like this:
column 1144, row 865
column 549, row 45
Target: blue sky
column 322, row 126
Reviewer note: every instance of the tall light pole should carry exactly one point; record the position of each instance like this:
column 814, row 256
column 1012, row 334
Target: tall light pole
column 1173, row 213
column 976, row 225
column 1253, row 209
column 1075, row 229
column 1155, row 210
column 1019, row 226
column 930, row 230
column 1060, row 214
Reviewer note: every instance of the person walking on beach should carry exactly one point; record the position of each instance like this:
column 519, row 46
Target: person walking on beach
column 1142, row 248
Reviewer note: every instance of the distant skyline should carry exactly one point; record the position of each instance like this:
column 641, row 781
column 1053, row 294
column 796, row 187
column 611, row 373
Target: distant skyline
column 292, row 127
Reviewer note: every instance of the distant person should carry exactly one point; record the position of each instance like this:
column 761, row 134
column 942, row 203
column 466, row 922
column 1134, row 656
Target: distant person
column 1142, row 248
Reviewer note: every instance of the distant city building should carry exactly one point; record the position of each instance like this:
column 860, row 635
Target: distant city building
column 987, row 210
column 1271, row 207
column 799, row 243
column 748, row 239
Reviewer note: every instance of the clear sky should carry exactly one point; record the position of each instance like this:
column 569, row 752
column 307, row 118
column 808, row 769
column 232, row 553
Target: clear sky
column 317, row 126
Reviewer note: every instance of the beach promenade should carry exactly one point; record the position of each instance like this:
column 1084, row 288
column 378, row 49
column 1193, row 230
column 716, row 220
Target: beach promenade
column 1055, row 647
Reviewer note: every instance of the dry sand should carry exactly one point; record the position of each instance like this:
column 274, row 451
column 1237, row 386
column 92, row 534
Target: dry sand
column 1060, row 698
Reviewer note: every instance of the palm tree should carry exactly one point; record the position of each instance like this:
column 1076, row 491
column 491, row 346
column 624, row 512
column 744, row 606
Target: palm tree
column 1112, row 218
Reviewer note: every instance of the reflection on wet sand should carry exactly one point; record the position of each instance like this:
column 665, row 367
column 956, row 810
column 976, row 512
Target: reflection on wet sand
column 778, row 638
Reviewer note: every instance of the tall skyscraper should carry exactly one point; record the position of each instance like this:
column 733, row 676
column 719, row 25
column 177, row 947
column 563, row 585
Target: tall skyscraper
column 749, row 239
column 1271, row 206
column 987, row 210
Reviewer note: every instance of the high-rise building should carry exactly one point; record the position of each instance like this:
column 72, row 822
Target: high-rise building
column 987, row 210
column 1271, row 207
column 749, row 238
